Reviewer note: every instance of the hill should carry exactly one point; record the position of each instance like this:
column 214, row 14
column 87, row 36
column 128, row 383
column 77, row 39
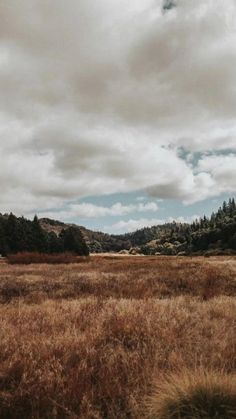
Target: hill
column 96, row 241
column 213, row 235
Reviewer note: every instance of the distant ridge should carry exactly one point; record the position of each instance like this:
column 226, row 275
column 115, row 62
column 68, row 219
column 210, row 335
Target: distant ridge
column 214, row 235
column 210, row 236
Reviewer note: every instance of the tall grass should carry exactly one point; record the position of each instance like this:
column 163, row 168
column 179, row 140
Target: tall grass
column 99, row 358
column 135, row 278
column 89, row 340
column 27, row 258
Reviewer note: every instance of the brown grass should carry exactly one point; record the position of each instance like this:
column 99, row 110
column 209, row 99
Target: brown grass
column 27, row 258
column 194, row 394
column 88, row 340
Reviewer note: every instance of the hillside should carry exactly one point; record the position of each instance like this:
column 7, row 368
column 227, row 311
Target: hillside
column 213, row 235
column 96, row 241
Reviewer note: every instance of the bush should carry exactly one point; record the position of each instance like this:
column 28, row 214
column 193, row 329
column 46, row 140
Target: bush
column 194, row 395
column 26, row 258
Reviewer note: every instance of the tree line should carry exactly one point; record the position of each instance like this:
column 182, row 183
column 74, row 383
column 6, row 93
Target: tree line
column 214, row 233
column 206, row 234
column 22, row 235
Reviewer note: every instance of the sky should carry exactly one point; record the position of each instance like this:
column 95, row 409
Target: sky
column 114, row 114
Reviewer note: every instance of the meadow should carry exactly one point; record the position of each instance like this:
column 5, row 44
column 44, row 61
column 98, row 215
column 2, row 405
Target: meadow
column 108, row 337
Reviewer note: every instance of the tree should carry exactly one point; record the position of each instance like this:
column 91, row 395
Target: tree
column 73, row 241
column 55, row 244
column 12, row 234
column 3, row 242
column 224, row 207
column 39, row 241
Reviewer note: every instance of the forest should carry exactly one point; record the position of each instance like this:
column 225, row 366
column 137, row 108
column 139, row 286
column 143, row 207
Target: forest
column 22, row 235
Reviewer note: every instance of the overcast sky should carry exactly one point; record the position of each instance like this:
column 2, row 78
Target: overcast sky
column 117, row 114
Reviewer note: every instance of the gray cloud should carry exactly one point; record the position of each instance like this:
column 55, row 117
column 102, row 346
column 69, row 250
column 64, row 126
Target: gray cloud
column 168, row 5
column 88, row 210
column 135, row 224
column 97, row 97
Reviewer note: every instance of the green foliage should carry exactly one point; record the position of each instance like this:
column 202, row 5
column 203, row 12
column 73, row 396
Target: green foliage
column 21, row 235
column 73, row 241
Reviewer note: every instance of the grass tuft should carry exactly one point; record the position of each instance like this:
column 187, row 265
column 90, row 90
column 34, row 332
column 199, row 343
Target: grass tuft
column 194, row 395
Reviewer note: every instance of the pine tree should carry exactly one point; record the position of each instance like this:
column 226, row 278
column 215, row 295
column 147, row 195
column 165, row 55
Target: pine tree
column 232, row 207
column 39, row 242
column 224, row 207
column 12, row 234
column 3, row 242
column 73, row 241
column 55, row 244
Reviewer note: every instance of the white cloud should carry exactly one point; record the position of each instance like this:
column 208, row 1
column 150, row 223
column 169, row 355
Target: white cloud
column 222, row 170
column 131, row 225
column 88, row 210
column 96, row 98
column 149, row 206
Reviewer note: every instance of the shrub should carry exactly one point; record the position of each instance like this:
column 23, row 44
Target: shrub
column 194, row 395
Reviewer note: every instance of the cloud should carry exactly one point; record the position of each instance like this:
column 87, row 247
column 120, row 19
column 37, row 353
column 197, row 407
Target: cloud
column 168, row 5
column 98, row 97
column 88, row 210
column 222, row 170
column 131, row 225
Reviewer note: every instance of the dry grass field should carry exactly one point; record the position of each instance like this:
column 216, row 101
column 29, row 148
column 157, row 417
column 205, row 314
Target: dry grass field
column 103, row 337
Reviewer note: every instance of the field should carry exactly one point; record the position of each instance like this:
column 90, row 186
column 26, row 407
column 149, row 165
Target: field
column 94, row 339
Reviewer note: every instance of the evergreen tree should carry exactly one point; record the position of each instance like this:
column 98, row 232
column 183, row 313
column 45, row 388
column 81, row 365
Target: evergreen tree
column 12, row 234
column 224, row 207
column 73, row 241
column 55, row 244
column 3, row 241
column 39, row 242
